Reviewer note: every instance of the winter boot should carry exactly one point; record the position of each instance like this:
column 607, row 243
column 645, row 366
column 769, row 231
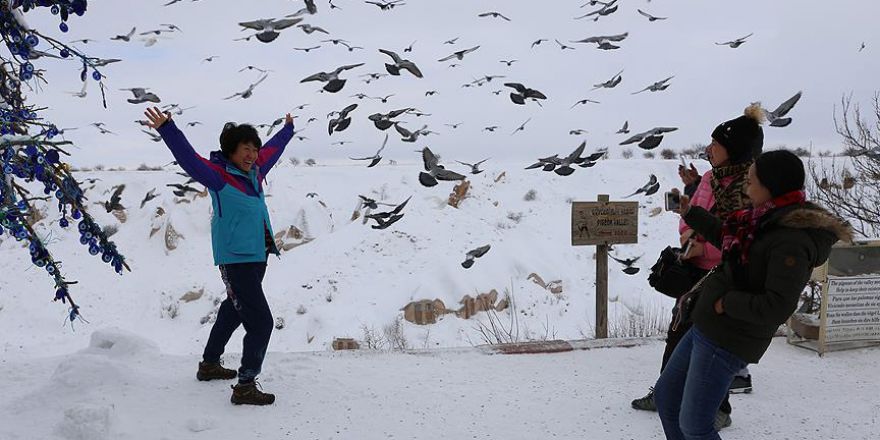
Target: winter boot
column 645, row 403
column 211, row 371
column 741, row 384
column 722, row 420
column 249, row 394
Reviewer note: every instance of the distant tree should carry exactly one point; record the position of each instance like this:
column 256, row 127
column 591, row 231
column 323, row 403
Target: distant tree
column 850, row 185
column 627, row 153
column 668, row 154
column 648, row 155
column 801, row 152
column 30, row 154
column 694, row 151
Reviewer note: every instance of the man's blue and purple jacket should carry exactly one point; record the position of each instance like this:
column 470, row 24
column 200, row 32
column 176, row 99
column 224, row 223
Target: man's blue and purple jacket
column 240, row 223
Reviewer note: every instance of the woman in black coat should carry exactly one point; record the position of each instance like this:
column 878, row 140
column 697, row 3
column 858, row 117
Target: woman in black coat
column 768, row 254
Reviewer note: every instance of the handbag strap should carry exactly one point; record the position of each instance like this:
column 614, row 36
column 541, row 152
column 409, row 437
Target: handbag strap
column 700, row 282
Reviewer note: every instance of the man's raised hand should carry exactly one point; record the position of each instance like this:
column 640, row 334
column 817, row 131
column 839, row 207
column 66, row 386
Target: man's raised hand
column 156, row 117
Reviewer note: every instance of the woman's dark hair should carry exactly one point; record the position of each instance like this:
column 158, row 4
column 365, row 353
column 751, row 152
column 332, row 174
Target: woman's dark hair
column 233, row 135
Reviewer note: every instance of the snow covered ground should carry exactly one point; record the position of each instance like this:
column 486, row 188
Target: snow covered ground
column 129, row 374
column 123, row 387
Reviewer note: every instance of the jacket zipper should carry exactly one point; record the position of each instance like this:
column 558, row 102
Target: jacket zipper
column 219, row 206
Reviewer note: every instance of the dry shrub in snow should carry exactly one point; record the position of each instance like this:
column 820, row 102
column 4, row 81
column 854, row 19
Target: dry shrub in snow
column 393, row 333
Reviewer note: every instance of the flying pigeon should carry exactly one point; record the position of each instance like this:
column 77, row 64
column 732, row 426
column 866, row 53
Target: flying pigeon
column 473, row 254
column 628, row 264
column 268, row 28
column 649, row 139
column 775, row 118
column 733, row 44
column 604, row 41
column 334, row 83
column 650, row 17
column 434, row 171
column 400, row 63
column 522, row 93
column 151, row 194
column 475, row 167
column 126, row 37
column 113, row 203
column 649, row 188
column 384, row 121
column 141, row 95
column 493, row 14
column 342, row 121
column 657, row 86
column 409, row 136
column 386, row 219
column 606, row 9
column 376, row 158
column 248, row 92
column 459, row 55
column 611, row 83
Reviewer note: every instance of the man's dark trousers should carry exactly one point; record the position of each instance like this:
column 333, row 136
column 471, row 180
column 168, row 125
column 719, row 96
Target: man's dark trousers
column 246, row 305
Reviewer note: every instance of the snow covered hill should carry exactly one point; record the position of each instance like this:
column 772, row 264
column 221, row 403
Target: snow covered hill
column 341, row 276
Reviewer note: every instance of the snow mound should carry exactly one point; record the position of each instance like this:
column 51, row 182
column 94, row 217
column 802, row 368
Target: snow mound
column 115, row 342
column 86, row 422
column 199, row 424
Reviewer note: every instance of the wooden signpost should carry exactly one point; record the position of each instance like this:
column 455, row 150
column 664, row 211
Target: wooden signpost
column 601, row 224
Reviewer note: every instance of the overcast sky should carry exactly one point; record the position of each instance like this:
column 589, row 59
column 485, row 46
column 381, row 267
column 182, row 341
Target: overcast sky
column 797, row 45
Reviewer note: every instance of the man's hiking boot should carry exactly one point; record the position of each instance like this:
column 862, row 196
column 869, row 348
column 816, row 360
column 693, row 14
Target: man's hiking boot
column 722, row 420
column 249, row 394
column 645, row 403
column 211, row 371
column 741, row 384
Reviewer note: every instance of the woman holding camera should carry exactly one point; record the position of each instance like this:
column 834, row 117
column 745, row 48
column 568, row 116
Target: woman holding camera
column 720, row 191
column 768, row 252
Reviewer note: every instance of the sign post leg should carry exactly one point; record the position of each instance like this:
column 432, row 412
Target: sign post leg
column 602, row 286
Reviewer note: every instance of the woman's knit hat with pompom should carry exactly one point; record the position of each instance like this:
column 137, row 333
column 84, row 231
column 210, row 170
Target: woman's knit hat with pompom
column 742, row 137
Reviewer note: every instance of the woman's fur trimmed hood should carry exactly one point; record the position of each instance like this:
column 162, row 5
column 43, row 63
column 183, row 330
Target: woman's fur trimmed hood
column 812, row 216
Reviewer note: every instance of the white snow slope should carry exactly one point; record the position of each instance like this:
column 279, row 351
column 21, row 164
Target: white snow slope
column 129, row 374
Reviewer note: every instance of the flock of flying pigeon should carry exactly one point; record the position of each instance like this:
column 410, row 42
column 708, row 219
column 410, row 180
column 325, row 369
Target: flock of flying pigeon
column 397, row 63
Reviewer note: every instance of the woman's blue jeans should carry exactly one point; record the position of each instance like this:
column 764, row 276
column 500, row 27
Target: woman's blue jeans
column 693, row 385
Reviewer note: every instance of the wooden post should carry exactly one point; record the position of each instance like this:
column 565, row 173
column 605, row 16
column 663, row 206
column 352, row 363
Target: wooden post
column 602, row 286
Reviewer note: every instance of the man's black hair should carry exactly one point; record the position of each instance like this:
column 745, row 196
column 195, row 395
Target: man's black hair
column 233, row 135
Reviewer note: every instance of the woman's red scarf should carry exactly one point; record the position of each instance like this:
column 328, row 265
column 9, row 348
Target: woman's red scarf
column 739, row 229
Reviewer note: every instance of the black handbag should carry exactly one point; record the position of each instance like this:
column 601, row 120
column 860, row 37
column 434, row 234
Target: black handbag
column 670, row 275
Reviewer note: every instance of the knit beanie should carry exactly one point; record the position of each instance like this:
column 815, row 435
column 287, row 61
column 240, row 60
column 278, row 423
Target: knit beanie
column 780, row 171
column 742, row 137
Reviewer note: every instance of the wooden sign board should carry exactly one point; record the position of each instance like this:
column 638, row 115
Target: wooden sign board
column 603, row 223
